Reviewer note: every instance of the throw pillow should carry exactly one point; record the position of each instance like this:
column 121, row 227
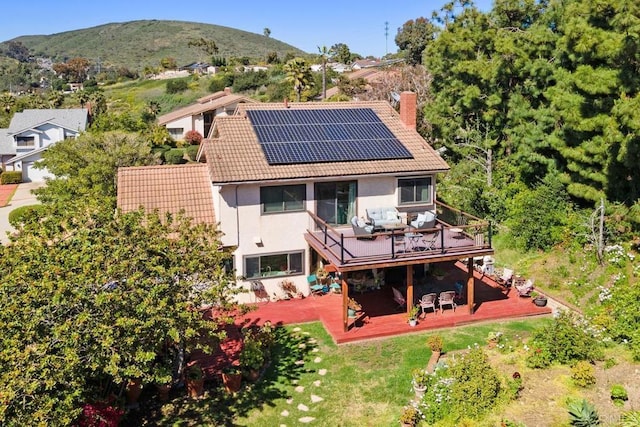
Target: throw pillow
column 361, row 222
column 421, row 218
column 391, row 216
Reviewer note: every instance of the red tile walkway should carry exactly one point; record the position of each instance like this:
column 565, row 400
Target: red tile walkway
column 383, row 319
column 6, row 192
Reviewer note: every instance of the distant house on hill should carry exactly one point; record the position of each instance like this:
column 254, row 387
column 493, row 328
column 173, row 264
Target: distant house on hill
column 32, row 132
column 199, row 116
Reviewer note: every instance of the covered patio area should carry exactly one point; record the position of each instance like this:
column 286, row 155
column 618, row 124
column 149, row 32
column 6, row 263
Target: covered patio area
column 382, row 317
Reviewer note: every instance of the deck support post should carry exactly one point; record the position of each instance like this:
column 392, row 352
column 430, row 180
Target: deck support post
column 470, row 285
column 345, row 302
column 409, row 287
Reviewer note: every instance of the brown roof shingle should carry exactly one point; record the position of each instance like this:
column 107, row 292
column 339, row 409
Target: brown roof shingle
column 202, row 107
column 168, row 188
column 235, row 154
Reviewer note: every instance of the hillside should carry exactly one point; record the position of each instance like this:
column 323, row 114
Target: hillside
column 137, row 44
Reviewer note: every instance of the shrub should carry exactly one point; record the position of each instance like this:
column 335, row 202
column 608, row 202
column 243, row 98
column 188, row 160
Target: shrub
column 583, row 414
column 630, row 419
column 619, row 394
column 583, row 374
column 24, row 214
column 476, row 384
column 193, row 137
column 539, row 357
column 569, row 339
column 434, row 342
column 176, row 86
column 175, row 156
column 192, row 152
column 410, row 415
column 11, row 177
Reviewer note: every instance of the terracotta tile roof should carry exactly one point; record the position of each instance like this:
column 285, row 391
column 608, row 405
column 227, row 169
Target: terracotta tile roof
column 208, row 104
column 168, row 188
column 236, row 156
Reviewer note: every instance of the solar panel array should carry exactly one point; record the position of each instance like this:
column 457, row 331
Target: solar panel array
column 324, row 135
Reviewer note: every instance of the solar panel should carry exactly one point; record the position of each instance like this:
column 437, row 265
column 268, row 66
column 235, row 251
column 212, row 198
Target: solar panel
column 324, row 135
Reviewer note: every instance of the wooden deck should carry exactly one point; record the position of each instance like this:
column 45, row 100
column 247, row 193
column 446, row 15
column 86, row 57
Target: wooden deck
column 383, row 318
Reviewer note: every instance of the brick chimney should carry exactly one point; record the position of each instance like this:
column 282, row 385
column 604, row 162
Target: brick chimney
column 408, row 103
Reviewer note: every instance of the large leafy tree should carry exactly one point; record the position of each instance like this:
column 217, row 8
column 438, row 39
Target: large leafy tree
column 413, row 38
column 89, row 299
column 87, row 166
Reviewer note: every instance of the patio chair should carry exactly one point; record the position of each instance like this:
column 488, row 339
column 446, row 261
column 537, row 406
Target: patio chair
column 315, row 286
column 523, row 287
column 424, row 221
column 431, row 240
column 259, row 291
column 428, row 301
column 399, row 298
column 447, row 298
column 506, row 278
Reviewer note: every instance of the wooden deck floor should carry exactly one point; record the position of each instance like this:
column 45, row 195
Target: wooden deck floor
column 384, row 318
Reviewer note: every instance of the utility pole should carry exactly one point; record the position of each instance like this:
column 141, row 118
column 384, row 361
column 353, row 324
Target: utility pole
column 386, row 38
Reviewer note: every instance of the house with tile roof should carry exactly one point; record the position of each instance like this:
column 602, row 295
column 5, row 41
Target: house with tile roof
column 199, row 115
column 31, row 132
column 291, row 183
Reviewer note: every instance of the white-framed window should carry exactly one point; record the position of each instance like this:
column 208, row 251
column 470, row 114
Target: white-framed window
column 176, row 133
column 415, row 190
column 282, row 198
column 273, row 265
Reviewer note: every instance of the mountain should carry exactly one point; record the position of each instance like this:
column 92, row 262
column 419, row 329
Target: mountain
column 136, row 44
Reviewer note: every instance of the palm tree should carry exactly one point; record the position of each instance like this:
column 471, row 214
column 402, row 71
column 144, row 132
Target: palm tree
column 325, row 55
column 7, row 101
column 298, row 73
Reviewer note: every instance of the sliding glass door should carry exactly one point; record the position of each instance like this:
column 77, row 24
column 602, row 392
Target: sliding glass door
column 336, row 201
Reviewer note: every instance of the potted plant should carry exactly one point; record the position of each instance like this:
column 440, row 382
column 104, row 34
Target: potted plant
column 539, row 299
column 163, row 380
column 413, row 315
column 420, row 382
column 438, row 273
column 251, row 358
column 353, row 306
column 195, row 380
column 232, row 378
column 409, row 416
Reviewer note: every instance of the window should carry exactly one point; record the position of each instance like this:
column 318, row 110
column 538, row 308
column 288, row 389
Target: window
column 415, row 190
column 284, row 264
column 176, row 133
column 336, row 201
column 284, row 198
column 25, row 141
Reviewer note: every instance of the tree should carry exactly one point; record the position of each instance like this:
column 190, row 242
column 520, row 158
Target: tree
column 342, row 53
column 208, row 46
column 325, row 55
column 87, row 165
column 7, row 101
column 299, row 74
column 266, row 32
column 91, row 299
column 413, row 38
column 168, row 63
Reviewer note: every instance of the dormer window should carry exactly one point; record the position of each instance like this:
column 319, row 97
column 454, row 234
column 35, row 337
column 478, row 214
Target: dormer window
column 25, row 141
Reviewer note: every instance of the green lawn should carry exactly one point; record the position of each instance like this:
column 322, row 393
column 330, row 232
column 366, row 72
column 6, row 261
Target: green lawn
column 365, row 384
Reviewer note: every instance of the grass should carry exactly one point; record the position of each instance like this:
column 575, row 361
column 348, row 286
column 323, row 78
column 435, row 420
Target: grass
column 366, row 384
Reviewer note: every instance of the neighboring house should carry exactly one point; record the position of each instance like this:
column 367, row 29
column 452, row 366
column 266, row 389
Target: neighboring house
column 33, row 131
column 199, row 116
column 365, row 63
column 288, row 180
column 7, row 147
column 371, row 75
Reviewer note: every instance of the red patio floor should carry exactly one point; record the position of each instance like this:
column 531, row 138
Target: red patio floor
column 383, row 318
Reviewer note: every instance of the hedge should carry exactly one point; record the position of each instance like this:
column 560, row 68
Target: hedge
column 175, row 156
column 11, row 177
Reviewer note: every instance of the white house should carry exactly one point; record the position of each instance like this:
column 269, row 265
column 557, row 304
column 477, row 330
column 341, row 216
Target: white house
column 289, row 181
column 34, row 131
column 199, row 116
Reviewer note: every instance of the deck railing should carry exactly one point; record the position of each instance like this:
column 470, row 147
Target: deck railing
column 455, row 231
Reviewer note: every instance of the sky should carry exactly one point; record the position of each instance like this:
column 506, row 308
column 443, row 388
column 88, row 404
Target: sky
column 305, row 25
